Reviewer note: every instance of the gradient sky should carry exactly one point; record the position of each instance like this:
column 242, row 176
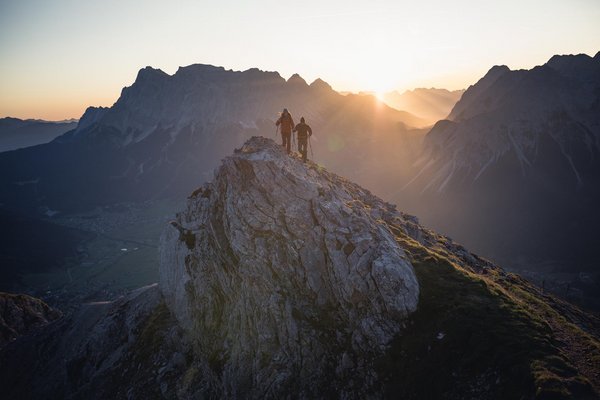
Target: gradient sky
column 59, row 56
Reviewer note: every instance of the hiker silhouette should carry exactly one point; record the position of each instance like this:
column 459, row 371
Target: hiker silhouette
column 286, row 123
column 304, row 132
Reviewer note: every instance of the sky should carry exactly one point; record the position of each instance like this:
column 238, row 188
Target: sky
column 57, row 57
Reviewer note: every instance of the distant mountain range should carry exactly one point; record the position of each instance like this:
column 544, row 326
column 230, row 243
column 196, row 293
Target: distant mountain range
column 515, row 170
column 166, row 134
column 430, row 104
column 17, row 133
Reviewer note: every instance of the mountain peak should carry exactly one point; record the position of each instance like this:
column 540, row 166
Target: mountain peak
column 91, row 116
column 285, row 248
column 198, row 69
column 320, row 84
column 496, row 71
column 296, row 79
column 149, row 73
column 471, row 95
column 575, row 66
column 562, row 57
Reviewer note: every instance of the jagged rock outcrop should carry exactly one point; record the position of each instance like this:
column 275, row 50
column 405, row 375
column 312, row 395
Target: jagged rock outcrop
column 293, row 280
column 21, row 314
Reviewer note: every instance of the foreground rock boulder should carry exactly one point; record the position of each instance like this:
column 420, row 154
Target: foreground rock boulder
column 285, row 276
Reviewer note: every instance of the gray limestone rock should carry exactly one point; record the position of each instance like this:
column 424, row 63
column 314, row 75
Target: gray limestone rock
column 294, row 282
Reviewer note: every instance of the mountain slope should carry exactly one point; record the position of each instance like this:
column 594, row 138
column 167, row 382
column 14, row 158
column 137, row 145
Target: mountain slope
column 165, row 134
column 431, row 104
column 17, row 133
column 253, row 291
column 514, row 173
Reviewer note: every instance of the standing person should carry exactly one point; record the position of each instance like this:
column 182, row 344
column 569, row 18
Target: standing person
column 286, row 123
column 304, row 132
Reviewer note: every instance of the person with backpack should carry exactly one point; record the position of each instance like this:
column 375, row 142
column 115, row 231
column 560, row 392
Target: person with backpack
column 304, row 131
column 286, row 124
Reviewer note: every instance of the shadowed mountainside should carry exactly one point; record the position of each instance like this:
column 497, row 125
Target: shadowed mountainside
column 514, row 172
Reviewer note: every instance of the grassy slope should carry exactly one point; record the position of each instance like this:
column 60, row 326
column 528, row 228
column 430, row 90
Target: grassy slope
column 488, row 335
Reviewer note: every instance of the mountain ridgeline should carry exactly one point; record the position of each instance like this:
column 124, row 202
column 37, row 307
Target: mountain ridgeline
column 280, row 279
column 430, row 104
column 165, row 135
column 515, row 170
column 16, row 133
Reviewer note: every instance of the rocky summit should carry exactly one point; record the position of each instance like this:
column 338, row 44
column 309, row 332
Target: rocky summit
column 285, row 276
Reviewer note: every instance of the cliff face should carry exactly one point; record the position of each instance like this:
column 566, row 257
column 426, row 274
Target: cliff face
column 291, row 278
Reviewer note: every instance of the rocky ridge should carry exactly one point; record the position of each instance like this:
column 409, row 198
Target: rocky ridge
column 293, row 280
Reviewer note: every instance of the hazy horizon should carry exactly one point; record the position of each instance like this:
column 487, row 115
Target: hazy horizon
column 59, row 58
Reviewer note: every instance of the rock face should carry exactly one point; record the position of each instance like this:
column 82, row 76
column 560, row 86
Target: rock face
column 20, row 314
column 293, row 279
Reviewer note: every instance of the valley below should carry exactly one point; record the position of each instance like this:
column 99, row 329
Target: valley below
column 119, row 254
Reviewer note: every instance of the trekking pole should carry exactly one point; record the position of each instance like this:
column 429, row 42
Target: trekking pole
column 312, row 156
